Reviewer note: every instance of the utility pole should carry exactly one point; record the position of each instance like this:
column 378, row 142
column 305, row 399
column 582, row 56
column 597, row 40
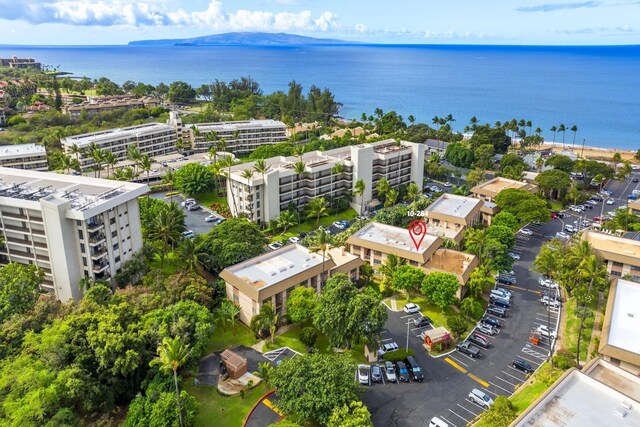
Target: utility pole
column 582, row 154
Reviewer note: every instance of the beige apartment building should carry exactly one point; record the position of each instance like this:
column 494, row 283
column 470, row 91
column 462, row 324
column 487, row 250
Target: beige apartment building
column 263, row 197
column 375, row 241
column 272, row 276
column 95, row 105
column 621, row 255
column 24, row 156
column 71, row 227
column 154, row 139
column 449, row 215
column 487, row 192
column 240, row 137
column 634, row 206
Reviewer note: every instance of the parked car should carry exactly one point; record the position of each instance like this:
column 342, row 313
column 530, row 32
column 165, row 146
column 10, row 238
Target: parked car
column 414, row 369
column 522, row 365
column 479, row 340
column 469, row 349
column 403, row 372
column 548, row 283
column 499, row 293
column 514, row 256
column 610, row 201
column 505, row 291
column 390, row 372
column 545, row 332
column 488, row 320
column 422, row 321
column 587, row 206
column 188, row 234
column 435, row 188
column 438, row 422
column 187, row 202
column 552, row 302
column 596, row 198
column 507, row 280
column 411, row 308
column 376, row 373
column 634, row 179
column 387, row 347
column 447, row 184
column 293, row 239
column 526, row 232
column 592, row 202
column 497, row 311
column 480, row 398
column 599, row 219
column 511, row 273
column 562, row 235
column 193, row 207
column 211, row 218
column 363, row 374
column 500, row 302
column 275, row 245
column 554, row 215
column 569, row 228
column 486, row 329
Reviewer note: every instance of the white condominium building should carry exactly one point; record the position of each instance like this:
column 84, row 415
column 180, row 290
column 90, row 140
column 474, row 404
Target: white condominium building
column 24, row 156
column 154, row 139
column 262, row 197
column 69, row 226
column 240, row 137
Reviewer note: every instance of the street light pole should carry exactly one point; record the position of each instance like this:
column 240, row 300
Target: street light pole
column 407, row 347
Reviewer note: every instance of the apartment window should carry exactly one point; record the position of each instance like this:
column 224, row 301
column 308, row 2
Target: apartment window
column 617, row 264
column 377, row 261
column 114, row 234
column 80, row 234
column 377, row 253
column 82, row 248
column 635, row 268
column 616, row 273
column 84, row 261
column 112, row 221
column 116, row 246
column 117, row 259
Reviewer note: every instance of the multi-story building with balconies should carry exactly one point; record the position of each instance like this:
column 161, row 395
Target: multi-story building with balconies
column 240, row 137
column 330, row 174
column 24, row 156
column 71, row 227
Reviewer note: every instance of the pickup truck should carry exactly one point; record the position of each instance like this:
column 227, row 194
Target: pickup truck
column 468, row 349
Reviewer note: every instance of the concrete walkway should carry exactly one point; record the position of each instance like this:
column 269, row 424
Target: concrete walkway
column 259, row 346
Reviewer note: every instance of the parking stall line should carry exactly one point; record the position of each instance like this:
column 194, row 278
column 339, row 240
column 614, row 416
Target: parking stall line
column 457, row 360
column 448, row 421
column 459, row 416
column 508, row 382
column 387, row 339
column 491, row 392
column 455, row 365
column 501, row 388
column 534, row 353
column 469, row 411
column 478, row 380
column 513, row 376
column 538, row 363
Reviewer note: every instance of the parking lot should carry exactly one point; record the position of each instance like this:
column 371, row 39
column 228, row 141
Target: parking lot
column 194, row 220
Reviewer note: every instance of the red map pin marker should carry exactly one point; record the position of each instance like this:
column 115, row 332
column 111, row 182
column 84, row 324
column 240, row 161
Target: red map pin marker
column 417, row 231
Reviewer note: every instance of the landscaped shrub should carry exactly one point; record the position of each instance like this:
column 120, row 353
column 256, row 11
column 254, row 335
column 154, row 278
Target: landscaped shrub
column 564, row 359
column 309, row 336
column 398, row 355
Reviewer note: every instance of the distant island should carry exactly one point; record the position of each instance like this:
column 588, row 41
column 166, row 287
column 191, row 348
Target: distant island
column 245, row 38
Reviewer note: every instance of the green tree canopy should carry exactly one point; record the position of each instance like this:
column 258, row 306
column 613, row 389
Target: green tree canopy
column 233, row 241
column 560, row 162
column 483, row 156
column 353, row 415
column 407, row 278
column 440, row 288
column 494, row 136
column 194, row 179
column 526, row 207
column 301, row 304
column 502, row 234
column 500, row 414
column 506, row 219
column 181, row 93
column 19, row 288
column 459, row 155
column 553, row 179
column 310, row 388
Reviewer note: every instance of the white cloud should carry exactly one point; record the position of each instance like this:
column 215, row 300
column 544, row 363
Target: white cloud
column 160, row 13
column 361, row 28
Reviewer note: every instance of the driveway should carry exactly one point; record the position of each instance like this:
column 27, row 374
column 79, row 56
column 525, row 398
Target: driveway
column 194, row 220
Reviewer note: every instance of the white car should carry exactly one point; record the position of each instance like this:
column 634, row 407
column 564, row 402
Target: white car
column 188, row 202
column 387, row 347
column 486, row 329
column 545, row 332
column 411, row 308
column 211, row 218
column 562, row 235
column 591, row 202
column 447, row 184
column 526, row 232
column 480, row 398
column 294, row 239
column 435, row 188
column 552, row 302
column 188, row 234
column 390, row 372
column 514, row 256
column 610, row 201
column 548, row 283
column 363, row 374
column 275, row 245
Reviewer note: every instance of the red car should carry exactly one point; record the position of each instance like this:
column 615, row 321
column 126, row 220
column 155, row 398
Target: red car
column 599, row 219
column 554, row 215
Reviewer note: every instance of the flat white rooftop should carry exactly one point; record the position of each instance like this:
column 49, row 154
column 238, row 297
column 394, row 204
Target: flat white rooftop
column 10, row 151
column 454, row 205
column 105, row 135
column 394, row 237
column 83, row 192
column 245, row 124
column 625, row 319
column 581, row 401
column 274, row 267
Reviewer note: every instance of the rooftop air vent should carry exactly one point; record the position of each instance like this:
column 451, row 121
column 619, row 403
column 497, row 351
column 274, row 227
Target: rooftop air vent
column 282, row 269
column 291, row 265
column 273, row 272
column 631, row 315
column 626, row 405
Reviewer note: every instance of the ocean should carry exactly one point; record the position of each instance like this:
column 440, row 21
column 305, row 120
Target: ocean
column 595, row 88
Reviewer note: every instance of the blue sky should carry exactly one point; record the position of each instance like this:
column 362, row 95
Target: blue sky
column 601, row 22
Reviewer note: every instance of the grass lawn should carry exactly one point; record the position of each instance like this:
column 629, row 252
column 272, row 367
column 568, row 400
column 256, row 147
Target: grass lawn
column 556, row 205
column 170, row 264
column 214, row 407
column 527, row 395
column 438, row 316
column 570, row 338
column 221, row 338
column 310, row 224
column 207, row 199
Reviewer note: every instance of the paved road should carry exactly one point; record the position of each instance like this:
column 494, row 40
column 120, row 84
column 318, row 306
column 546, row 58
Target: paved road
column 449, row 379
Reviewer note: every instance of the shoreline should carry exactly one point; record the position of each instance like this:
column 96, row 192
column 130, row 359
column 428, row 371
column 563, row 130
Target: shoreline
column 590, row 152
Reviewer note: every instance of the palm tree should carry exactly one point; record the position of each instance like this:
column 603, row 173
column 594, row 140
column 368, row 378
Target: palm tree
column 391, row 264
column 247, row 174
column 213, row 148
column 228, row 162
column 539, row 164
column 166, row 227
column 593, row 271
column 134, row 155
column 191, row 254
column 169, row 178
column 285, row 220
column 322, row 244
column 358, row 191
column 562, row 128
column 98, row 157
column 574, row 129
column 554, row 129
column 146, row 163
column 110, row 160
column 267, row 318
column 413, row 192
column 336, row 170
column 317, row 208
column 261, row 167
column 392, row 197
column 75, row 149
column 66, row 162
column 228, row 312
column 171, row 355
column 383, row 187
column 616, row 159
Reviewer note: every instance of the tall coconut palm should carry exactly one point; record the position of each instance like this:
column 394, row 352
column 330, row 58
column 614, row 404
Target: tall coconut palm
column 110, row 160
column 383, row 187
column 169, row 178
column 300, row 169
column 322, row 244
column 98, row 157
column 317, row 208
column 146, row 163
column 574, row 129
column 285, row 220
column 391, row 264
column 228, row 162
column 76, row 150
column 562, row 128
column 134, row 155
column 261, row 167
column 554, row 129
column 593, row 272
column 358, row 190
column 336, row 170
column 172, row 354
column 267, row 318
column 413, row 192
column 392, row 197
column 247, row 174
column 66, row 162
column 166, row 228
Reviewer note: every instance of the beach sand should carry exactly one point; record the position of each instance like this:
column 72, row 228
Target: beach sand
column 594, row 153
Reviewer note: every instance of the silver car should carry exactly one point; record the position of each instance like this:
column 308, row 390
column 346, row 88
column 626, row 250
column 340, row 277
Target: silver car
column 390, row 372
column 480, row 398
